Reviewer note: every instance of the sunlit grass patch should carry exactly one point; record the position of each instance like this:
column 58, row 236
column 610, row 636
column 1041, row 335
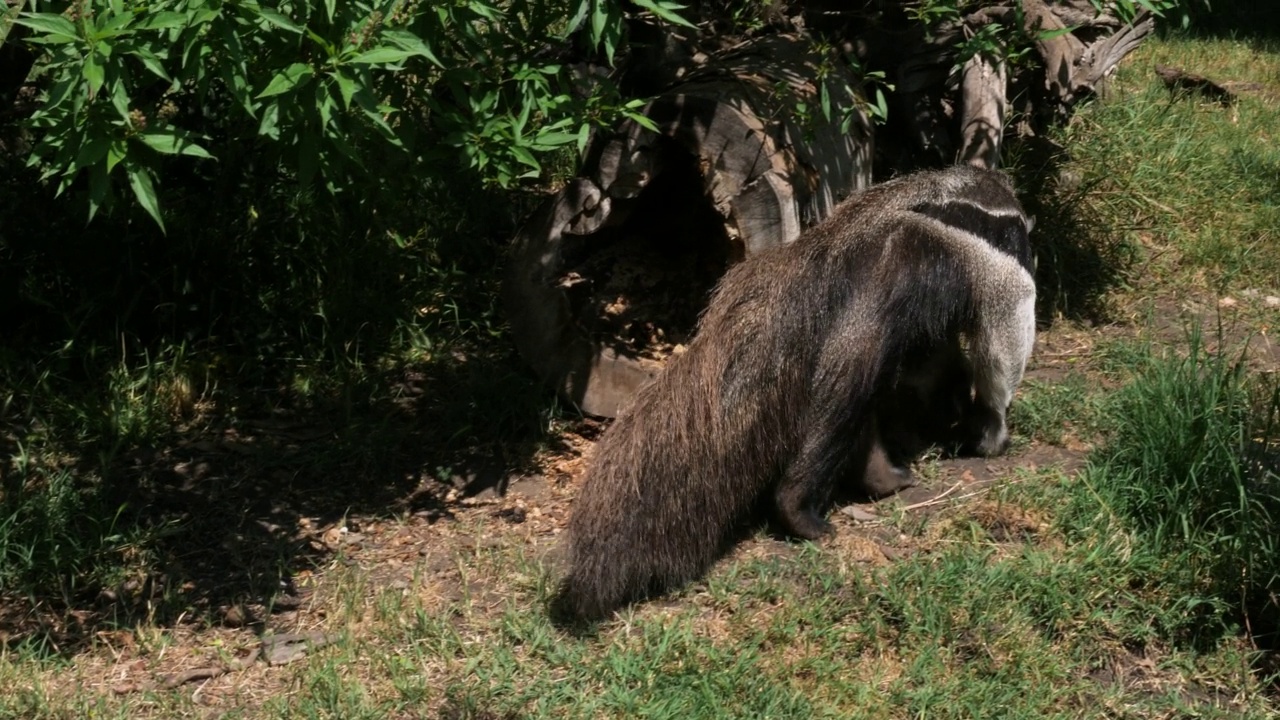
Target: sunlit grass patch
column 1194, row 183
column 1049, row 412
column 1190, row 468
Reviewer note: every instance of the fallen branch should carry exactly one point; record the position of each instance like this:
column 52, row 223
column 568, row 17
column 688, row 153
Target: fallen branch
column 1182, row 81
column 206, row 673
column 934, row 500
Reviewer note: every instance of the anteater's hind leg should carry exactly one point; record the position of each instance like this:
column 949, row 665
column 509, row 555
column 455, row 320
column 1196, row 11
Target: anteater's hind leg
column 805, row 491
column 838, row 453
column 881, row 476
column 836, row 441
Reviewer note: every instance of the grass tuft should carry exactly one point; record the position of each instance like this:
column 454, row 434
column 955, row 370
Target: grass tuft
column 1190, row 472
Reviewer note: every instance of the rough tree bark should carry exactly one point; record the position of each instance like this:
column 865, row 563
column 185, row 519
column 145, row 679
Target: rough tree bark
column 742, row 159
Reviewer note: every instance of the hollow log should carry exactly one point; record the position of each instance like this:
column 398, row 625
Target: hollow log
column 737, row 156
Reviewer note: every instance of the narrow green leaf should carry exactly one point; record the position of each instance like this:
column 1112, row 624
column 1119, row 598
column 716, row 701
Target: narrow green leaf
column 120, row 99
column 522, row 119
column 99, row 188
column 165, row 20
column 92, row 153
column 329, row 6
column 50, row 24
column 280, row 21
column 1051, row 34
column 347, row 86
column 268, row 126
column 584, row 133
column 548, row 140
column 145, row 191
column 409, row 41
column 204, row 16
column 151, row 62
column 93, row 72
column 372, row 111
column 116, row 26
column 599, row 19
column 330, row 49
column 486, row 102
column 612, row 39
column 666, row 10
column 287, row 79
column 526, row 157
column 172, row 142
column 488, row 12
column 382, row 54
column 579, row 15
column 324, row 105
column 115, row 154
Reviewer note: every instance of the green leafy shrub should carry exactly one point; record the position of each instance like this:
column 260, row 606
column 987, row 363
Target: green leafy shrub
column 321, row 89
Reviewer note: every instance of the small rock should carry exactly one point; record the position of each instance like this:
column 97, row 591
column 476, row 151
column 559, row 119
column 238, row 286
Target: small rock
column 1227, row 302
column 234, row 616
column 285, row 601
column 333, row 535
column 515, row 515
column 859, row 514
column 893, row 553
column 287, row 648
column 1272, row 301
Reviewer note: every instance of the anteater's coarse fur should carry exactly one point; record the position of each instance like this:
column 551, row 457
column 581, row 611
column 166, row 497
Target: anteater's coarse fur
column 774, row 402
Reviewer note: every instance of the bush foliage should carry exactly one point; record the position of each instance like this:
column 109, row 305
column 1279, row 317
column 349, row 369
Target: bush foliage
column 321, row 89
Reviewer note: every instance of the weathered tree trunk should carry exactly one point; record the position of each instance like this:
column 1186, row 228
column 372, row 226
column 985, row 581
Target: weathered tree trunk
column 982, row 120
column 608, row 277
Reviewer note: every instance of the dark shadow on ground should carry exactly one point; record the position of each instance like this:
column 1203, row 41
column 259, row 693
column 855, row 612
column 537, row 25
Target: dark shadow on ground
column 233, row 513
column 228, row 504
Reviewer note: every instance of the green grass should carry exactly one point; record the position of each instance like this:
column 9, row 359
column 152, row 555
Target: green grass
column 1190, row 469
column 1194, row 184
column 1050, row 412
column 1077, row 614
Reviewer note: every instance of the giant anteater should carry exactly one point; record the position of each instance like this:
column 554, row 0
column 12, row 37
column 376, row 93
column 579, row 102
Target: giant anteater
column 795, row 370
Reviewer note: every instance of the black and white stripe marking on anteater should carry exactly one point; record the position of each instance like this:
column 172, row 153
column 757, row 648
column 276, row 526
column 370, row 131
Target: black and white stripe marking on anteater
column 1006, row 229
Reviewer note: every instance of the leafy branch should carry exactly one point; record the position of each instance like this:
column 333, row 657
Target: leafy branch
column 320, row 87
